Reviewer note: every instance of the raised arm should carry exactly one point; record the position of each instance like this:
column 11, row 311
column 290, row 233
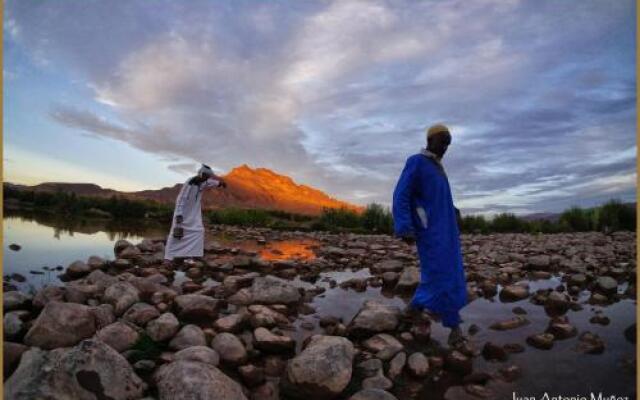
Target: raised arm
column 402, row 221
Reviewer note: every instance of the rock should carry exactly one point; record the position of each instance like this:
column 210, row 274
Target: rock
column 100, row 279
column 120, row 246
column 606, row 285
column 511, row 373
column 397, row 365
column 373, row 394
column 600, row 319
column 77, row 269
column 418, row 365
column 118, row 335
column 267, row 391
column 96, row 262
column 409, row 279
column 458, row 363
column 322, row 370
column 12, row 353
column 15, row 300
column 513, row 348
column 370, row 367
column 189, row 335
column 140, row 314
column 389, row 278
column 230, row 348
column 197, row 307
column 265, row 317
column 103, row 315
column 201, row 354
column 383, row 345
column 560, row 328
column 491, row 351
column 91, row 370
column 251, row 375
column 163, row 328
column 590, row 343
column 541, row 262
column 387, row 266
column 378, row 381
column 543, row 341
column 231, row 323
column 512, row 293
column 579, row 280
column 14, row 324
column 511, row 323
column 269, row 290
column 374, row 317
column 557, row 303
column 269, row 342
column 61, row 325
column 189, row 380
column 121, row 295
column 47, row 294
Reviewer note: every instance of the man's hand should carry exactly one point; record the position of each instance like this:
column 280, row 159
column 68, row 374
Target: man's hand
column 179, row 219
column 410, row 240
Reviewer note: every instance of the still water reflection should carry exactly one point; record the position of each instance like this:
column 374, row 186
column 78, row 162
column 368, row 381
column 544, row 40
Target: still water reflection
column 47, row 242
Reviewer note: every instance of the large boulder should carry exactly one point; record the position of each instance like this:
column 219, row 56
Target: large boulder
column 270, row 290
column 47, row 294
column 230, row 348
column 100, row 279
column 11, row 355
column 140, row 314
column 189, row 335
column 61, row 325
column 195, row 307
column 387, row 266
column 15, row 300
column 202, row 354
column 409, row 279
column 77, row 269
column 188, row 380
column 374, row 317
column 321, row 371
column 163, row 328
column 90, row 371
column 383, row 345
column 269, row 342
column 119, row 335
column 121, row 295
column 512, row 293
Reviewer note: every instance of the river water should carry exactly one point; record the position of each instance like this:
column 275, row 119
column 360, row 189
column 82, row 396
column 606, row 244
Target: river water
column 48, row 242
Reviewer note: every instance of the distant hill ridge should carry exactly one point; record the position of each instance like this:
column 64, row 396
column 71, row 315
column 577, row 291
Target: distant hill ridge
column 247, row 187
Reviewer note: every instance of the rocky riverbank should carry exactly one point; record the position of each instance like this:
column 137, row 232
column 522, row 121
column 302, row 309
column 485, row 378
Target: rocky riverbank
column 324, row 322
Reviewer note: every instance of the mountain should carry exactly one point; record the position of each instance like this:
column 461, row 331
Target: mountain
column 246, row 188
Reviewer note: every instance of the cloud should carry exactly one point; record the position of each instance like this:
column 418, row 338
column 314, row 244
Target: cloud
column 540, row 95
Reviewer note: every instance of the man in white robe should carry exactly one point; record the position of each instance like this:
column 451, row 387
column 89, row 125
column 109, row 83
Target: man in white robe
column 186, row 238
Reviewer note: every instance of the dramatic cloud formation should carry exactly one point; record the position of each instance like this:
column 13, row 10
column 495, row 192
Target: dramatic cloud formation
column 540, row 94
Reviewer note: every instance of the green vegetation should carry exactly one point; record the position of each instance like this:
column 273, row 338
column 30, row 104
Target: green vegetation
column 69, row 204
column 611, row 216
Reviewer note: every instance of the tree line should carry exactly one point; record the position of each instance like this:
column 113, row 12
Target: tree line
column 611, row 216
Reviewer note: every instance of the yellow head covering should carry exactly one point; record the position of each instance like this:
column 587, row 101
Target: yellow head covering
column 437, row 128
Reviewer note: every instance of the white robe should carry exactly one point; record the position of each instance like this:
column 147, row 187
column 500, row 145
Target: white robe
column 189, row 205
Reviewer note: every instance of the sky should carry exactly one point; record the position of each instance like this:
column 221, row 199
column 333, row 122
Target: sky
column 539, row 95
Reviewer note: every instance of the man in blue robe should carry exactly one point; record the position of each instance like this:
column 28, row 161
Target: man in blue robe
column 423, row 212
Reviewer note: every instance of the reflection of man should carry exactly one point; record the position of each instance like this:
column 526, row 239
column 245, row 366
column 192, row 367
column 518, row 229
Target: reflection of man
column 186, row 238
column 423, row 212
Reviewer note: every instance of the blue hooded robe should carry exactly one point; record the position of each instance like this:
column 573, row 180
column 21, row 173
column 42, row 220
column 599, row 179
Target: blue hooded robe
column 423, row 208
